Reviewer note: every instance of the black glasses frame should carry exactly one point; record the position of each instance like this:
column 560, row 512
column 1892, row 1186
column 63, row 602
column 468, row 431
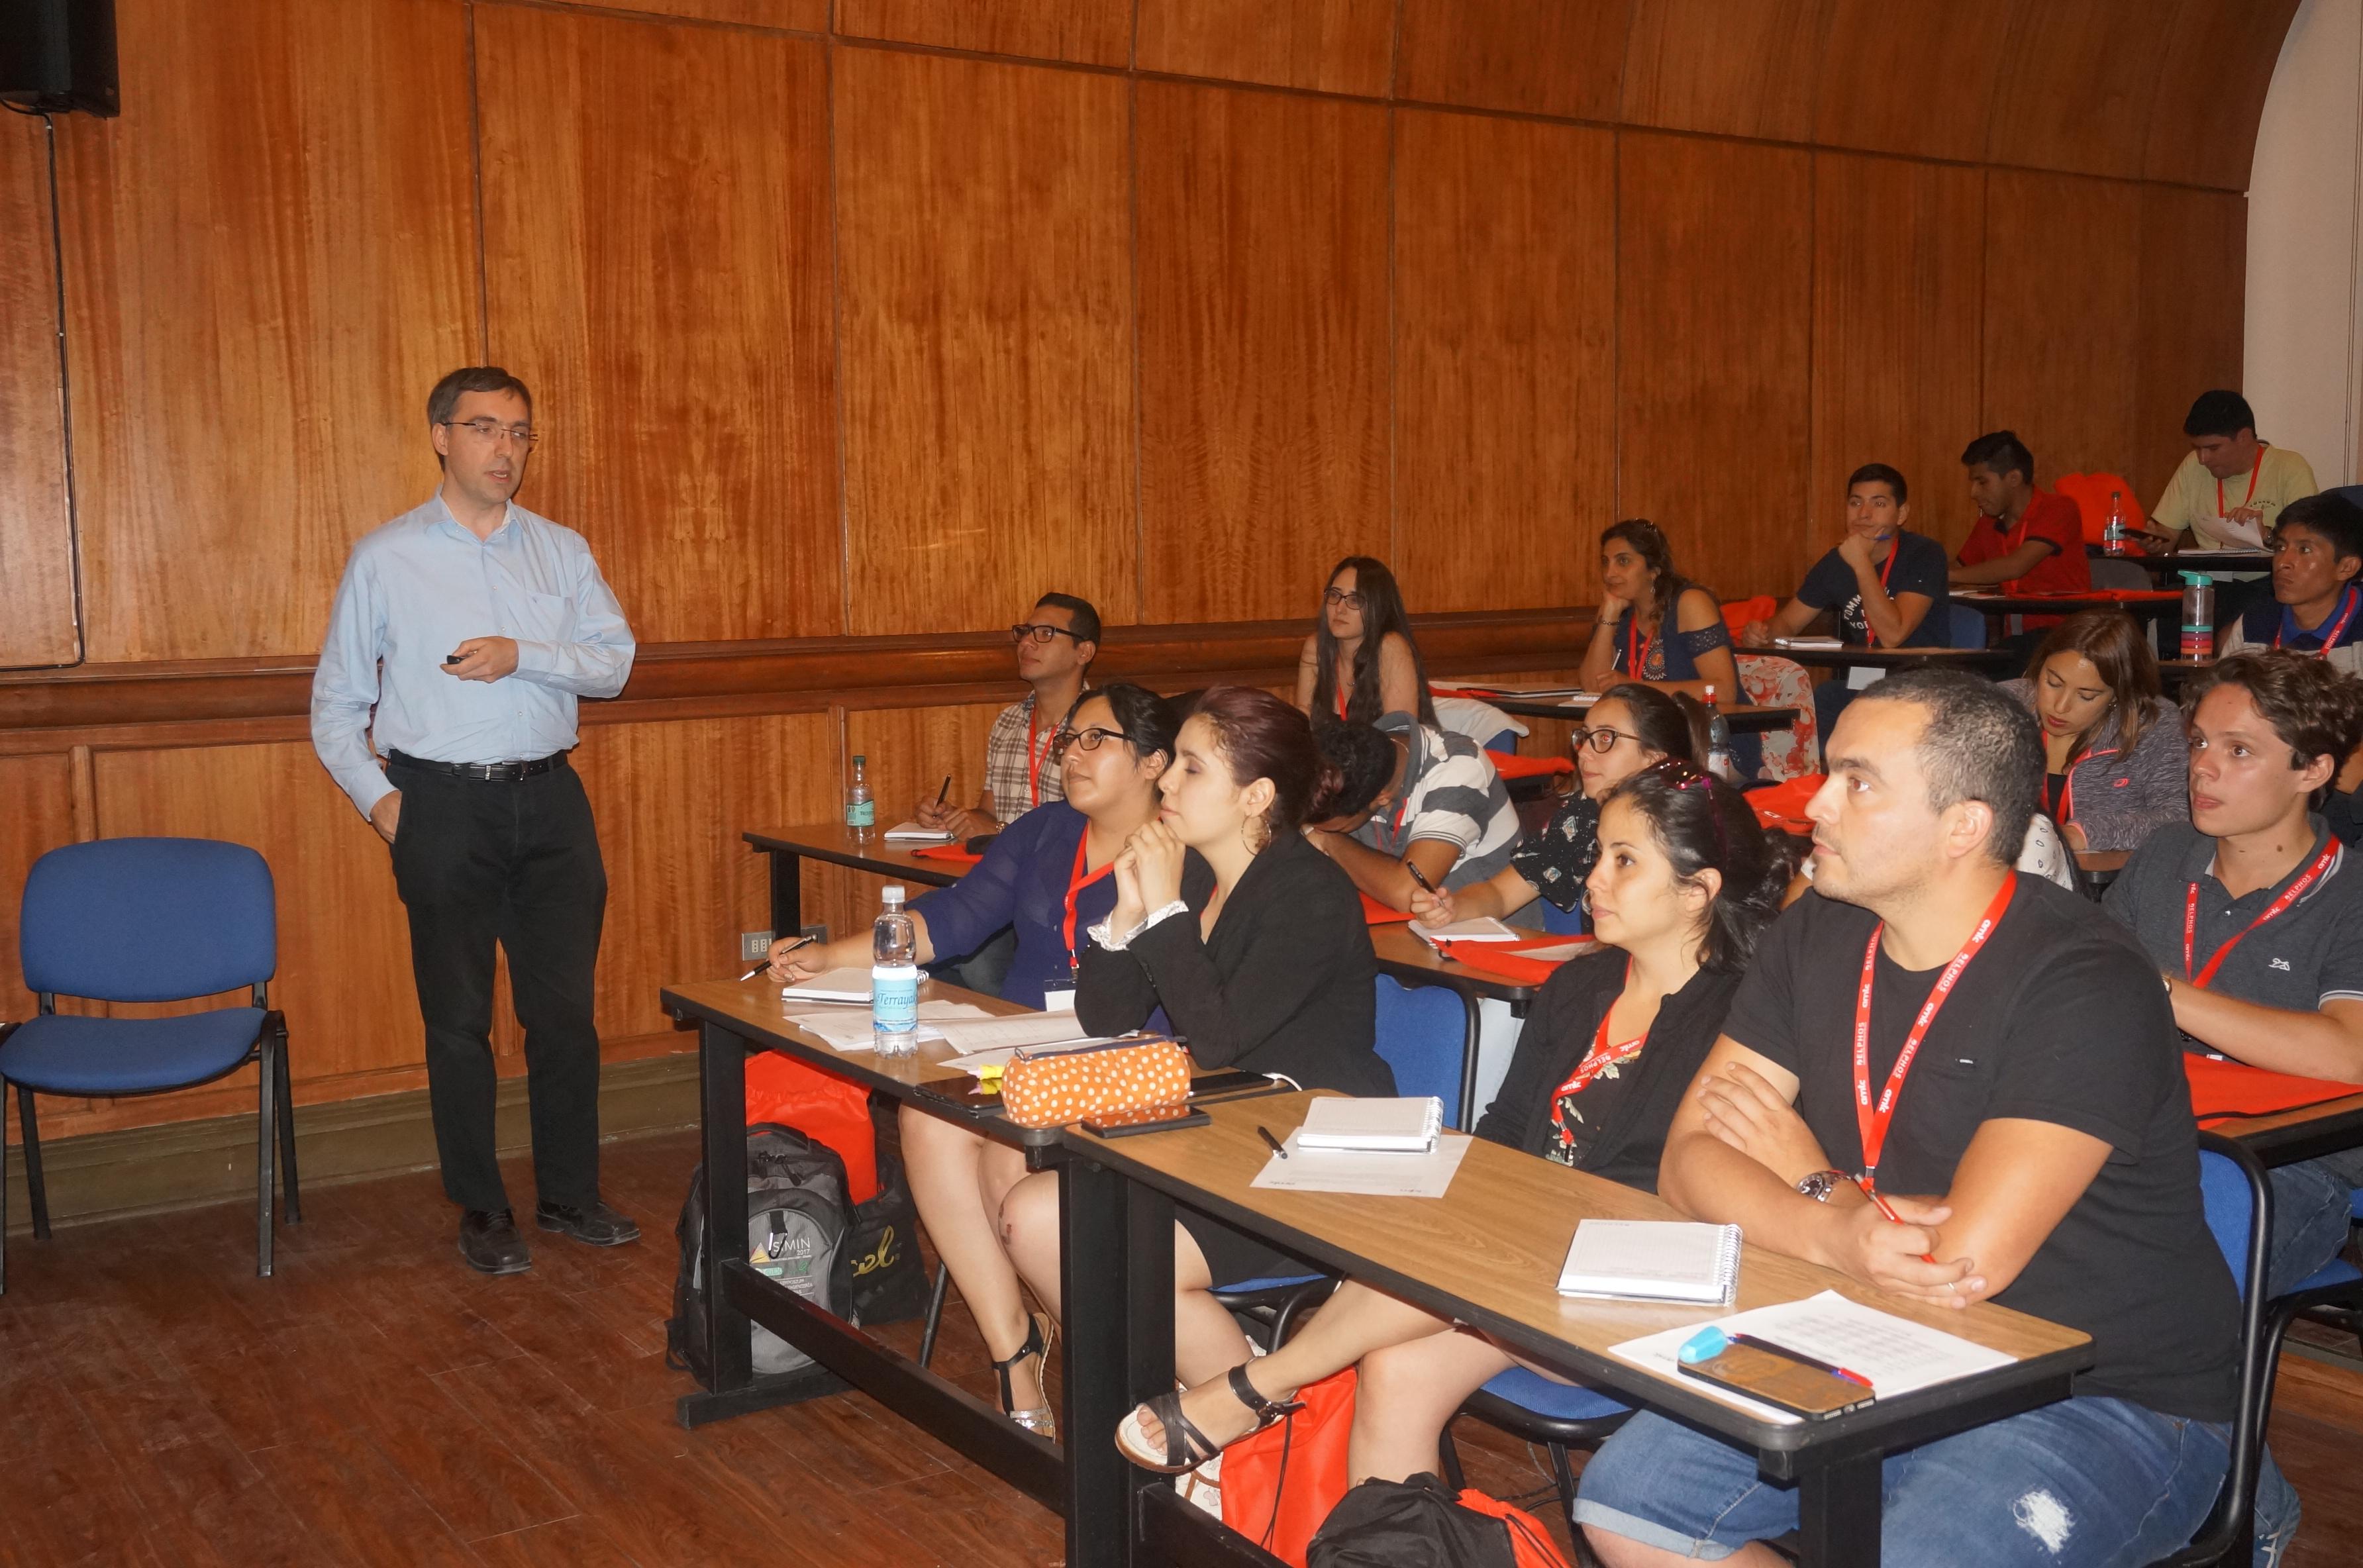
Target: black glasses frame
column 1039, row 632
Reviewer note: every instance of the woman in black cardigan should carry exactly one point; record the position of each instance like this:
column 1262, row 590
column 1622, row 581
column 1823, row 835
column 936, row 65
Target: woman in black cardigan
column 1274, row 974
column 1685, row 880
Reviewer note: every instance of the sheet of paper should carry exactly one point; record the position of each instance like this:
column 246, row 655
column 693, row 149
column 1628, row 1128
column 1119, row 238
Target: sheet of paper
column 1807, row 642
column 849, row 1029
column 1478, row 928
column 1897, row 1355
column 1379, row 1176
column 1015, row 1031
column 2236, row 533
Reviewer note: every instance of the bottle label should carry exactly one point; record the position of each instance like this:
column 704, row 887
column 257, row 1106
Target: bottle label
column 893, row 997
column 861, row 813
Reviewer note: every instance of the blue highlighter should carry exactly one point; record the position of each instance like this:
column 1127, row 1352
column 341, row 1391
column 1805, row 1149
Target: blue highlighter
column 1705, row 1345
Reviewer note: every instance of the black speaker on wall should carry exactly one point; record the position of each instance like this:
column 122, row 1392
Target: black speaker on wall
column 57, row 56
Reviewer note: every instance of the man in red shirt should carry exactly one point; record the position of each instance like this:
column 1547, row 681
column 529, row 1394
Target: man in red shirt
column 2025, row 539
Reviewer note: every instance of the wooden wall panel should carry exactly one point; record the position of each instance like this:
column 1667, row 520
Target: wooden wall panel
column 37, row 587
column 2060, row 318
column 672, row 799
column 1332, row 46
column 1912, row 76
column 986, row 285
column 38, row 790
column 910, row 750
column 810, row 15
column 1898, row 291
column 1094, row 32
column 1539, row 57
column 1738, row 67
column 2078, row 84
column 661, row 279
column 1715, row 266
column 2195, row 268
column 1505, row 322
column 263, row 281
column 2219, row 61
column 1263, row 346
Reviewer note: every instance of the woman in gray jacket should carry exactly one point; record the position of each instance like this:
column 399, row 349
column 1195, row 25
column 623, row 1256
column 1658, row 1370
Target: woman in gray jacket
column 2114, row 759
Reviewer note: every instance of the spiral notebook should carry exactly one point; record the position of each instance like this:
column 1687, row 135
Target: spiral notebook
column 1652, row 1260
column 1407, row 1125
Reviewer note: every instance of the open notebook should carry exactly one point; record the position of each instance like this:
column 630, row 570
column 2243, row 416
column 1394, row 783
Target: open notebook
column 1651, row 1260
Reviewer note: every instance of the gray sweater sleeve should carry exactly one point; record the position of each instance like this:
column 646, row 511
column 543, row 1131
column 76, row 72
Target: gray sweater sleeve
column 2121, row 798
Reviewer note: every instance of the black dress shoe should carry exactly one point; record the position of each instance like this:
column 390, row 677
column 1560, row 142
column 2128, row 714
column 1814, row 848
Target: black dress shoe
column 598, row 1225
column 489, row 1241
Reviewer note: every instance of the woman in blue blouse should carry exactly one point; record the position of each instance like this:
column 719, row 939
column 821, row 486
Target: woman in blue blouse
column 1047, row 875
column 1653, row 623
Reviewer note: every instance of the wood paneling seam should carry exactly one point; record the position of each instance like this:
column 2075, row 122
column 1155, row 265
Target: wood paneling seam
column 476, row 188
column 837, row 344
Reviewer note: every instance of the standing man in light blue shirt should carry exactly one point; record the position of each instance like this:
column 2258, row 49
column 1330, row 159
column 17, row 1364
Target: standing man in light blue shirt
column 462, row 634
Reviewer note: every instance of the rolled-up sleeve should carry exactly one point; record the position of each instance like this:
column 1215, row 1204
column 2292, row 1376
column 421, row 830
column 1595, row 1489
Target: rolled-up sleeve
column 345, row 686
column 597, row 660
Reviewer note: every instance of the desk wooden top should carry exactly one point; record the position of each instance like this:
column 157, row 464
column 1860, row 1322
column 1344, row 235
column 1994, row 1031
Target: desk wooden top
column 1488, row 1254
column 1406, row 956
column 2154, row 602
column 1744, row 721
column 756, row 1013
column 1892, row 658
column 834, row 843
column 2286, row 1137
column 2102, row 862
column 2215, row 561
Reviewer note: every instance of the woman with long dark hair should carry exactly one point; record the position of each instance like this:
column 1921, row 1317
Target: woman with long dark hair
column 1656, row 624
column 1361, row 660
column 1685, row 882
column 1271, row 971
column 2114, row 766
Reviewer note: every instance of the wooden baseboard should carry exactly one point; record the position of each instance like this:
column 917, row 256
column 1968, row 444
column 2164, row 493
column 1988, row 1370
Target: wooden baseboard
column 148, row 1170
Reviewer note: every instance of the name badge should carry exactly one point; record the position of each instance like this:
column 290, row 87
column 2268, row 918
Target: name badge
column 1058, row 996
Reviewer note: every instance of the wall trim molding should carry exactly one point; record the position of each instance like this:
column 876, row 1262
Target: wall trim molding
column 187, row 1165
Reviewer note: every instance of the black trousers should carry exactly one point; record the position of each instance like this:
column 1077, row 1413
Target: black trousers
column 519, row 865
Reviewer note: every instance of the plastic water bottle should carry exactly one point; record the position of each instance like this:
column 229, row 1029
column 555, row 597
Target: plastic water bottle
column 861, row 807
column 2198, row 616
column 1718, row 742
column 893, row 980
column 2113, row 536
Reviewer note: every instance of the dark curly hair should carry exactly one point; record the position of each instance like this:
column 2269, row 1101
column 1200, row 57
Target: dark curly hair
column 1704, row 825
column 1359, row 759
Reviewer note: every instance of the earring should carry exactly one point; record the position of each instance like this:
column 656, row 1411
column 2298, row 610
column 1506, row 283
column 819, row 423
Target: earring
column 1586, row 900
column 1255, row 833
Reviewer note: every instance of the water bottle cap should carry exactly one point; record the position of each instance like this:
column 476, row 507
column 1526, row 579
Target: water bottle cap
column 893, row 893
column 860, row 758
column 2195, row 579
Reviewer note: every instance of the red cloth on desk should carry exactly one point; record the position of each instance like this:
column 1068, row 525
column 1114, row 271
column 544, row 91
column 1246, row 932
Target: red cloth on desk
column 1505, row 958
column 948, row 852
column 1510, row 764
column 2222, row 1089
column 1378, row 913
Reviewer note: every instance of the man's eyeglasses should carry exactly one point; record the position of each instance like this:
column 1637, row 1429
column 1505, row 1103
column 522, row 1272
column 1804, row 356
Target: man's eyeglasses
column 1036, row 632
column 1349, row 597
column 491, row 430
column 1086, row 740
column 1602, row 740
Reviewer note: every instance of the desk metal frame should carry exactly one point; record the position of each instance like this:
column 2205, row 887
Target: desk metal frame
column 787, row 857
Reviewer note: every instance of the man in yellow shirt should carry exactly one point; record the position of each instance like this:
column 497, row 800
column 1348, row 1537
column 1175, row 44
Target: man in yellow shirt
column 2229, row 477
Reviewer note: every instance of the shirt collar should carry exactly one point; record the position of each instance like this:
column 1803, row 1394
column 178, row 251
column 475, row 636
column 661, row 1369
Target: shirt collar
column 440, row 512
column 2199, row 859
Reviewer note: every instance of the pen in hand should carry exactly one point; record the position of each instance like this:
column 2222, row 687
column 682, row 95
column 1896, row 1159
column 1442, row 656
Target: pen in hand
column 944, row 793
column 1886, row 1208
column 1419, row 875
column 799, row 941
column 1276, row 1146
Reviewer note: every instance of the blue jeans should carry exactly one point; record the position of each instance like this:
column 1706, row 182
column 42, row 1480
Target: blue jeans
column 2081, row 1483
column 2311, row 1207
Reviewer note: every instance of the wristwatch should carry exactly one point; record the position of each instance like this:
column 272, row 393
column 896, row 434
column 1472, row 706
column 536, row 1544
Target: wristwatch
column 1820, row 1184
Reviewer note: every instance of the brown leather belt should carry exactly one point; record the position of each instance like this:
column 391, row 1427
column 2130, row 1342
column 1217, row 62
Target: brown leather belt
column 482, row 772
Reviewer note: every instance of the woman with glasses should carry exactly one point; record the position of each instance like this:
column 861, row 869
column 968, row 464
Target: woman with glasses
column 1685, row 882
column 1049, row 876
column 1361, row 660
column 1631, row 727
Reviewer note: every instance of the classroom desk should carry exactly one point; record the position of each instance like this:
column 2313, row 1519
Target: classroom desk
column 2287, row 1137
column 2100, row 865
column 2212, row 563
column 1983, row 660
column 1487, row 1255
column 1744, row 721
column 2162, row 602
column 790, row 848
column 1415, row 963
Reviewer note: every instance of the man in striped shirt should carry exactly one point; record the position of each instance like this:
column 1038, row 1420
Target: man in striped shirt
column 1414, row 796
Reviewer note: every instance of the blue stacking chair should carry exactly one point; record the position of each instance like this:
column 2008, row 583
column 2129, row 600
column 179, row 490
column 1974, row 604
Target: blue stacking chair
column 1562, row 922
column 150, row 920
column 1965, row 626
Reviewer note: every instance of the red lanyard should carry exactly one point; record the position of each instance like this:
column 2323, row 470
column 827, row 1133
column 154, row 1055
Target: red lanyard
column 1598, row 1060
column 1341, row 697
column 1034, row 754
column 2290, row 895
column 1636, row 646
column 1894, row 551
column 1076, row 883
column 2252, row 484
column 1871, row 1121
column 2068, row 785
column 2348, row 598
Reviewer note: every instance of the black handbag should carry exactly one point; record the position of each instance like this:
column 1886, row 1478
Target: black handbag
column 1417, row 1523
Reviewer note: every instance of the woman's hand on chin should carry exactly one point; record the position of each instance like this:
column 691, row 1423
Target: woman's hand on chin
column 1157, row 851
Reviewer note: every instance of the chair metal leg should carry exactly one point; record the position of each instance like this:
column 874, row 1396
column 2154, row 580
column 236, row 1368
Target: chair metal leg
column 292, row 1206
column 935, row 1315
column 1564, row 1474
column 266, row 1143
column 4, row 1189
column 37, row 1192
column 1448, row 1456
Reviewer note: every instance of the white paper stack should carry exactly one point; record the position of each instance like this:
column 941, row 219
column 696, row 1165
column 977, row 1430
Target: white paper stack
column 911, row 832
column 1482, row 928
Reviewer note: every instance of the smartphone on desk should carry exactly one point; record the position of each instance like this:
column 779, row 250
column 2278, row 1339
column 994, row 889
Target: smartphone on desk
column 1146, row 1118
column 1209, row 1085
column 968, row 1095
column 1784, row 1378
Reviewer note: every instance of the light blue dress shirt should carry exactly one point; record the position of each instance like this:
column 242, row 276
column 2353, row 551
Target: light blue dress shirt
column 417, row 587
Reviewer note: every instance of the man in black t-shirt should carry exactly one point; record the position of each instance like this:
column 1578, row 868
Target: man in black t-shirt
column 2039, row 1148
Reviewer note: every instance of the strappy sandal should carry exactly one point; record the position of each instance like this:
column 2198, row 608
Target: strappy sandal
column 1186, row 1447
column 1037, row 1419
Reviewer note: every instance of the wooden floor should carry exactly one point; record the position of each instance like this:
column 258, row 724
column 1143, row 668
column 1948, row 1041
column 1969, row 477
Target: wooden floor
column 378, row 1404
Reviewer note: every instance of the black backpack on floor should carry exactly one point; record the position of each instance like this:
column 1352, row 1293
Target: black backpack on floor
column 1417, row 1523
column 797, row 1225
